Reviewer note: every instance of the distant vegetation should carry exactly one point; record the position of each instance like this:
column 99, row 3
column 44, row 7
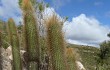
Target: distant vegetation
column 94, row 58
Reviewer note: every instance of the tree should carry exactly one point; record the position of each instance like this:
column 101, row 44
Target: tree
column 108, row 35
column 104, row 56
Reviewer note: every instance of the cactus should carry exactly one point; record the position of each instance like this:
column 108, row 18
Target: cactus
column 15, row 45
column 33, row 66
column 71, row 58
column 32, row 1
column 44, row 57
column 31, row 35
column 56, row 44
column 1, row 25
column 0, row 51
column 0, row 43
column 4, row 35
column 5, row 41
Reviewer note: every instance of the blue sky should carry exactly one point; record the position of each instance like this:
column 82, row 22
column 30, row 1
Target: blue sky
column 88, row 23
column 100, row 9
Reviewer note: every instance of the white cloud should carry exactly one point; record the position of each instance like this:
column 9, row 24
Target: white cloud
column 82, row 30
column 10, row 9
column 48, row 12
column 85, row 30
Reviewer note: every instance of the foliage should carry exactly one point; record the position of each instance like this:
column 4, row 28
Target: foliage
column 87, row 55
column 104, row 55
column 108, row 35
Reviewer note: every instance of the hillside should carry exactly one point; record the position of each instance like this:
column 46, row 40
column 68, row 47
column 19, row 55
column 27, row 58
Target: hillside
column 88, row 55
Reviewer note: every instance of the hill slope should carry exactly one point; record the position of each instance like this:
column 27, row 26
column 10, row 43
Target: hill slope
column 88, row 55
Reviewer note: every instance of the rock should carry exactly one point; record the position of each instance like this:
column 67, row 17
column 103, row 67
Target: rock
column 6, row 59
column 80, row 65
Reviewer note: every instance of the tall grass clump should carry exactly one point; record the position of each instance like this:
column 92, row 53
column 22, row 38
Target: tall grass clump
column 31, row 35
column 56, row 43
column 14, row 42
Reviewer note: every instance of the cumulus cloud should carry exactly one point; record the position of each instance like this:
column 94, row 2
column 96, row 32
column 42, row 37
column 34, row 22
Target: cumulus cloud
column 82, row 30
column 10, row 9
column 48, row 12
column 85, row 30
